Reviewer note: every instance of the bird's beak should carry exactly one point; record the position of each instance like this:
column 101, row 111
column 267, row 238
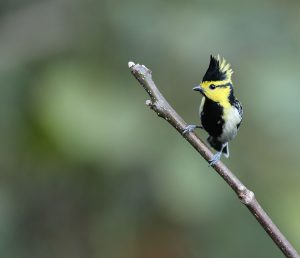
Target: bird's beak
column 198, row 88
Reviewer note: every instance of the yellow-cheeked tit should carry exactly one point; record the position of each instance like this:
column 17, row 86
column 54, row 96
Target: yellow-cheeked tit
column 220, row 112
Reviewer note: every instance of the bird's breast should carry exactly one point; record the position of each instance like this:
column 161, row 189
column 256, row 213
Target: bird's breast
column 218, row 121
column 211, row 117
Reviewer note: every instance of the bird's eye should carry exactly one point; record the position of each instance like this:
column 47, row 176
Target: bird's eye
column 212, row 86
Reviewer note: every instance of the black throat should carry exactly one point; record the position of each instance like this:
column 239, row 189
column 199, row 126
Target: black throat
column 211, row 117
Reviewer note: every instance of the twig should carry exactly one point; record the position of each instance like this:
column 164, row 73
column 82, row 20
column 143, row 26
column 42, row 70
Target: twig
column 163, row 109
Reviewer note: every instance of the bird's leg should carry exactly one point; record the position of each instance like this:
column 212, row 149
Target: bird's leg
column 191, row 128
column 217, row 156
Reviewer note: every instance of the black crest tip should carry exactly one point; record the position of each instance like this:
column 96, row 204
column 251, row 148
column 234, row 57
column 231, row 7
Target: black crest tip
column 218, row 70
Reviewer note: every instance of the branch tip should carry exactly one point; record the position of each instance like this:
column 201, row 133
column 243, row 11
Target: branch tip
column 130, row 64
column 149, row 103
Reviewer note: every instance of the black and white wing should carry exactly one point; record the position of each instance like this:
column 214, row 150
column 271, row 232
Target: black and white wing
column 239, row 107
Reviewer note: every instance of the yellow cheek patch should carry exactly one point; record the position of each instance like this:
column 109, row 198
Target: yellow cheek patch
column 219, row 94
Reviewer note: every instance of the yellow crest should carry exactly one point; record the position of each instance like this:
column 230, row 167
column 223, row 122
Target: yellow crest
column 225, row 67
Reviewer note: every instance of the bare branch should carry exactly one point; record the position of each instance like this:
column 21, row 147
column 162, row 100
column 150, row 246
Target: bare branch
column 163, row 109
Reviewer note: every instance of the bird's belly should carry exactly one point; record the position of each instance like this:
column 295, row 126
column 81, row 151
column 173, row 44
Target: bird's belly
column 231, row 119
column 229, row 132
column 212, row 125
column 220, row 123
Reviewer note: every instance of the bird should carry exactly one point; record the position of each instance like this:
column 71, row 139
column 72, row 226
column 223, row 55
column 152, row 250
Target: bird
column 220, row 111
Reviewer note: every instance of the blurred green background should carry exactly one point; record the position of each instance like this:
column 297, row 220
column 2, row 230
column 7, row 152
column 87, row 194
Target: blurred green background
column 87, row 170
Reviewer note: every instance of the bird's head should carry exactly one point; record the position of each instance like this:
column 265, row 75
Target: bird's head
column 216, row 84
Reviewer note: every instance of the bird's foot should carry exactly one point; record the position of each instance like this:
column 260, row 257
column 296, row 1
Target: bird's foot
column 190, row 128
column 215, row 158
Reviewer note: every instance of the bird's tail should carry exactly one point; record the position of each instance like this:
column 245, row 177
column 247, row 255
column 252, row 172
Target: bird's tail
column 217, row 145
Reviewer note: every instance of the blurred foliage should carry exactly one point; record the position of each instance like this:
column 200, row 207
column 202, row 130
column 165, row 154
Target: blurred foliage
column 88, row 171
